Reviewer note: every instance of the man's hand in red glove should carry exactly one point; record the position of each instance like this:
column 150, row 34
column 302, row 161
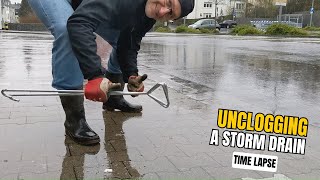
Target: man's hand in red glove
column 97, row 89
column 135, row 83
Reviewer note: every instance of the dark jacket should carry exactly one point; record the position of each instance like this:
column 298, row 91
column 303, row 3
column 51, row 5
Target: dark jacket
column 126, row 16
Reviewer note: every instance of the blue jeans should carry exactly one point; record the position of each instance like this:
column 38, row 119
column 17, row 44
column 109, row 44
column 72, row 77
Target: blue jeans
column 66, row 71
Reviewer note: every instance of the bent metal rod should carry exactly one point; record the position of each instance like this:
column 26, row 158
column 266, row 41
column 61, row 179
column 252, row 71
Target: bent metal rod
column 11, row 93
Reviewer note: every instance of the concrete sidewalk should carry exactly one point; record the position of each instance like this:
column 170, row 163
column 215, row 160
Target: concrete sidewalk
column 158, row 143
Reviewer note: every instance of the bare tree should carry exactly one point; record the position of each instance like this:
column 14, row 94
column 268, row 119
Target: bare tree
column 262, row 9
column 300, row 5
column 26, row 15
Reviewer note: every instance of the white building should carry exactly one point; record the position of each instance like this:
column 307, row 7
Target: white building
column 8, row 12
column 239, row 7
column 208, row 8
column 0, row 14
column 15, row 12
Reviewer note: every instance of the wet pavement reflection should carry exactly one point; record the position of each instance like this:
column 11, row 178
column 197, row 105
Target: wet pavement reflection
column 203, row 73
column 114, row 147
column 278, row 75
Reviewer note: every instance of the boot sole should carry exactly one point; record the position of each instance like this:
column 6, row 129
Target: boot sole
column 113, row 109
column 85, row 143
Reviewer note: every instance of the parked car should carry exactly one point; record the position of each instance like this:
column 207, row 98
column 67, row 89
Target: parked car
column 206, row 24
column 228, row 24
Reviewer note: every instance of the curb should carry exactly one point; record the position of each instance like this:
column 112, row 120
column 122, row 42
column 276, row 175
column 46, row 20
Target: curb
column 27, row 32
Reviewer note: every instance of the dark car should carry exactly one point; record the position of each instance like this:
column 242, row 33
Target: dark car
column 228, row 24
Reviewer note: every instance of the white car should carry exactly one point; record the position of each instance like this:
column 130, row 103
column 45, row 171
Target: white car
column 206, row 24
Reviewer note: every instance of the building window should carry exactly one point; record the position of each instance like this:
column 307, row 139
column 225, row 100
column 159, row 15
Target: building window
column 207, row 4
column 240, row 6
column 207, row 15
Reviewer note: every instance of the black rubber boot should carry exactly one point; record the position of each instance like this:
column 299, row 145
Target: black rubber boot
column 76, row 125
column 118, row 102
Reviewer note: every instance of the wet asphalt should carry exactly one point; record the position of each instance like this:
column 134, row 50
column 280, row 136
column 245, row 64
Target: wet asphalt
column 204, row 73
column 276, row 75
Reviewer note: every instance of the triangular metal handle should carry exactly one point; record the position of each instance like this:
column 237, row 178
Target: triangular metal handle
column 165, row 90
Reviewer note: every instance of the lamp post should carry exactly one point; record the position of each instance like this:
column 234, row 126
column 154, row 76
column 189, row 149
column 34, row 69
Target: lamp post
column 215, row 13
column 0, row 14
column 280, row 4
column 234, row 10
column 311, row 12
column 280, row 13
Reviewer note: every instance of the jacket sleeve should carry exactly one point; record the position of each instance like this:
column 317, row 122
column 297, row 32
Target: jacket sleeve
column 128, row 47
column 81, row 25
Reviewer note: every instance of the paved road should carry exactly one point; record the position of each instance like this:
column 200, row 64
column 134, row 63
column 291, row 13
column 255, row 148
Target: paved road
column 204, row 73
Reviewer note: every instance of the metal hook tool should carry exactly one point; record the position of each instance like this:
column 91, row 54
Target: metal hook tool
column 24, row 92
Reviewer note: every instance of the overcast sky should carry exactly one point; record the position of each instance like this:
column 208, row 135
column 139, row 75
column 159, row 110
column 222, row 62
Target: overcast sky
column 15, row 1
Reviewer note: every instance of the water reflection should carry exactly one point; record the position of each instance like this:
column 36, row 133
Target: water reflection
column 28, row 53
column 2, row 66
column 34, row 52
column 116, row 147
column 185, row 54
column 279, row 75
column 304, row 76
column 74, row 161
column 82, row 162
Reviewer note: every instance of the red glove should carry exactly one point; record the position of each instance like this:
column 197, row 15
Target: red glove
column 97, row 89
column 135, row 83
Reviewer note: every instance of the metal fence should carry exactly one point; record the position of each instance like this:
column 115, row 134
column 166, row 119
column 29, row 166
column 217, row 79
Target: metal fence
column 264, row 24
column 295, row 20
